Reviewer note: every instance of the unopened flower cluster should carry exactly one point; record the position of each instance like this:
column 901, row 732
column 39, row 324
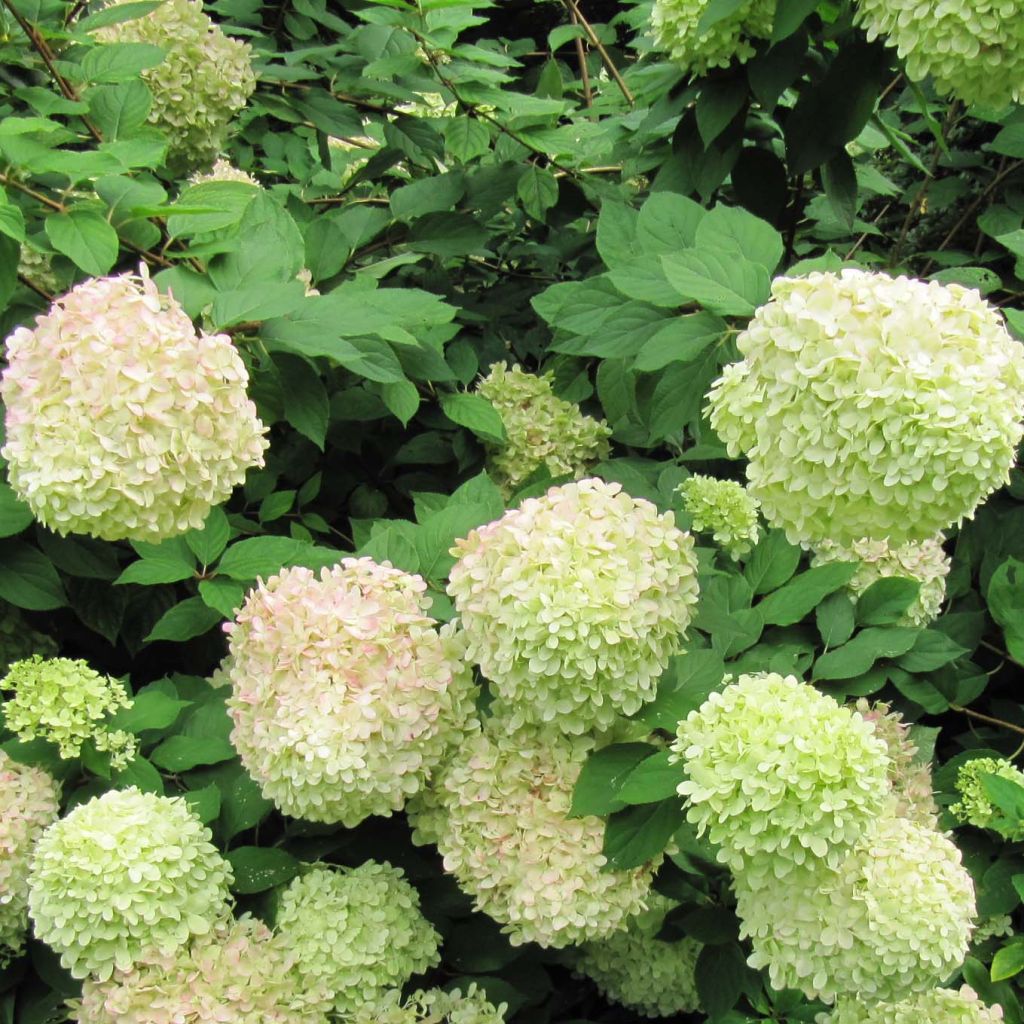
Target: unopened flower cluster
column 975, row 807
column 66, row 702
column 122, row 875
column 634, row 968
column 237, row 972
column 724, row 509
column 937, row 1006
column 498, row 813
column 345, row 696
column 573, row 603
column 37, row 267
column 872, row 406
column 433, row 1006
column 29, row 802
column 924, row 561
column 677, row 31
column 122, row 421
column 356, row 932
column 542, row 430
column 971, row 49
column 222, row 170
column 18, row 640
column 204, row 80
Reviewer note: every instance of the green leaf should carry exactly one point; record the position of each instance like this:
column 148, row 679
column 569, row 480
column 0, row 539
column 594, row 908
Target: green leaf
column 27, row 579
column 1005, row 596
column 840, row 180
column 1005, row 794
column 637, row 835
column 258, row 868
column 652, row 779
column 689, row 680
column 789, row 16
column 722, row 282
column 189, row 618
column 402, row 398
column 306, row 403
column 162, row 567
column 428, row 195
column 681, row 339
column 772, row 562
column 12, row 220
column 716, row 11
column 617, row 226
column 262, row 556
column 466, row 138
column 243, row 806
column 718, row 103
column 885, row 601
column 711, row 926
column 15, row 515
column 119, row 62
column 790, row 603
column 225, row 596
column 733, row 229
column 224, row 203
column 119, row 110
column 151, row 709
column 666, row 223
column 204, row 803
column 1008, row 961
column 720, row 974
column 602, row 776
column 474, row 413
column 537, row 191
column 835, row 619
column 139, row 773
column 180, row 753
column 932, row 649
column 85, row 237
column 859, row 654
column 208, row 543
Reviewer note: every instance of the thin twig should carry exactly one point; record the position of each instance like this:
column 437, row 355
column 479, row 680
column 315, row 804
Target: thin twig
column 988, row 718
column 599, row 46
column 581, row 56
column 34, row 287
column 864, row 237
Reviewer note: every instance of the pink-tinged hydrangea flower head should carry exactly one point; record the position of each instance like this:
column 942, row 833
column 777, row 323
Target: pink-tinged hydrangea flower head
column 893, row 918
column 345, row 695
column 973, row 49
column 542, row 430
column 356, row 932
column 433, row 1006
column 779, row 774
column 125, row 875
column 122, row 421
column 29, row 802
column 724, row 509
column 975, row 806
column 872, row 406
column 681, row 31
column 573, row 603
column 18, row 640
column 66, row 702
column 235, row 974
column 498, row 813
column 635, row 969
column 937, row 1006
column 204, row 80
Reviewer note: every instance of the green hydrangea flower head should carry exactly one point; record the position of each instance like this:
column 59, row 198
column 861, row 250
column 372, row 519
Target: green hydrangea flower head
column 924, row 561
column 872, row 406
column 37, row 267
column 573, row 603
column 67, row 702
column 18, row 640
column 204, row 80
column 542, row 430
column 122, row 421
column 975, row 807
column 997, row 926
column 237, row 972
column 680, row 29
column 779, row 774
column 498, row 813
column 972, row 49
column 433, row 1006
column 635, row 969
column 29, row 803
column 222, row 170
column 357, row 932
column 124, row 875
column 724, row 509
column 936, row 1006
column 345, row 695
column 895, row 917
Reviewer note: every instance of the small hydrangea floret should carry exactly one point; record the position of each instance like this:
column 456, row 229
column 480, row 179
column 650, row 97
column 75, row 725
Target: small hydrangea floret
column 975, row 806
column 724, row 509
column 681, row 30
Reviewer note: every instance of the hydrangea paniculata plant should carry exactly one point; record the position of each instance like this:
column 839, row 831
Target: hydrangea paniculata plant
column 724, row 509
column 682, row 30
column 975, row 806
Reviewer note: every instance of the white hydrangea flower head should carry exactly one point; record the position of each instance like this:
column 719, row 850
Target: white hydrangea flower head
column 498, row 813
column 542, row 430
column 924, row 561
column 18, row 640
column 573, row 603
column 238, row 973
column 204, row 80
column 67, row 702
column 937, row 1006
column 724, row 509
column 677, row 30
column 356, row 932
column 222, row 170
column 779, row 774
column 975, row 807
column 895, row 917
column 873, row 406
column 635, row 969
column 124, row 875
column 345, row 695
column 122, row 421
column 973, row 50
column 433, row 1006
column 29, row 803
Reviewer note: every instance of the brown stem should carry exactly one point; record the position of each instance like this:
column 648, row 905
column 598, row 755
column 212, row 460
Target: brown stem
column 581, row 57
column 38, row 196
column 599, row 46
column 34, row 287
column 988, row 718
column 864, row 237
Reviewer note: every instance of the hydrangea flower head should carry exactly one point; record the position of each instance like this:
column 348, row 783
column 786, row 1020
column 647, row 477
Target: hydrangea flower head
column 971, row 49
column 724, row 509
column 697, row 47
column 357, row 932
column 498, row 813
column 542, row 430
column 29, row 802
column 237, row 972
column 573, row 603
column 975, row 807
column 37, row 267
column 872, row 406
column 936, row 1006
column 924, row 561
column 779, row 774
column 125, row 875
column 635, row 969
column 122, row 421
column 66, row 702
column 345, row 695
column 893, row 918
column 18, row 640
column 204, row 80
column 222, row 170
column 433, row 1006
